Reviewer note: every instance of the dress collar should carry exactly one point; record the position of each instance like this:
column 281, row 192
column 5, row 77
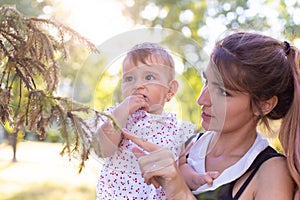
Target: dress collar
column 165, row 116
column 197, row 161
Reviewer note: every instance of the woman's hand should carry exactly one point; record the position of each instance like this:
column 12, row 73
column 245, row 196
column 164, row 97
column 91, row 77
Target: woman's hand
column 160, row 169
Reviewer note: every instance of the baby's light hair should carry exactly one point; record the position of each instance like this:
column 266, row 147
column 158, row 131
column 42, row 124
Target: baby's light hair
column 150, row 52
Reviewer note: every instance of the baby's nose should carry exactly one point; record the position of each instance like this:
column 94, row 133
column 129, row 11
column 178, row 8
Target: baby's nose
column 139, row 84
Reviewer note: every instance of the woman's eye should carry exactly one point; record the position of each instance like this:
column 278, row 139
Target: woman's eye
column 223, row 92
column 205, row 82
column 149, row 77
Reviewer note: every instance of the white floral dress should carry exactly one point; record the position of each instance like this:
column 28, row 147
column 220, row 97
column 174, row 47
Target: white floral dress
column 120, row 176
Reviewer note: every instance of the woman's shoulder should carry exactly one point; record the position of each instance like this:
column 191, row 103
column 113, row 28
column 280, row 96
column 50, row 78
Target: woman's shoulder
column 276, row 165
column 273, row 179
column 270, row 181
column 269, row 161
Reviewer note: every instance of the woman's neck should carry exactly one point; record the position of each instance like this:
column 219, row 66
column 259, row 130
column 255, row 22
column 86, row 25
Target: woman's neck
column 233, row 143
column 226, row 149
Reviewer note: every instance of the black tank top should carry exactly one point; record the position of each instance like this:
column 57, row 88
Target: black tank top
column 224, row 192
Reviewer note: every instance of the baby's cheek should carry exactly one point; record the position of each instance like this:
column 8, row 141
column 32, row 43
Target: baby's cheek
column 125, row 92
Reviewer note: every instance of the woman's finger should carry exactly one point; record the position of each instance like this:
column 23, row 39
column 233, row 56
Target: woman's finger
column 138, row 152
column 148, row 146
column 153, row 181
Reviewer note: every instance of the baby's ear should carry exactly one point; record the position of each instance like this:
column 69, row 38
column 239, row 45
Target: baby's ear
column 173, row 87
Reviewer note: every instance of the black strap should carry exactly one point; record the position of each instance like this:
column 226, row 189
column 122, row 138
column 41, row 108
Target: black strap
column 262, row 157
column 191, row 138
column 246, row 183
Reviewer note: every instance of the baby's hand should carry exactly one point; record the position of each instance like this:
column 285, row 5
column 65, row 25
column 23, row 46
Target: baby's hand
column 201, row 179
column 134, row 103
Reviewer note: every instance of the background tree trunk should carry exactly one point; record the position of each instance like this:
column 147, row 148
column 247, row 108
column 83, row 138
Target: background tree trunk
column 12, row 140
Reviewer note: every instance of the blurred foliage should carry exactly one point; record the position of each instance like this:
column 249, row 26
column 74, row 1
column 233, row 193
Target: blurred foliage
column 202, row 20
column 189, row 16
column 29, row 77
column 193, row 19
column 28, row 7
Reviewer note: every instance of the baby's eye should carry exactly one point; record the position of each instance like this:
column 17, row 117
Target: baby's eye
column 128, row 78
column 149, row 77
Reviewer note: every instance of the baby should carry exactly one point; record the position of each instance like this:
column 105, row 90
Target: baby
column 148, row 83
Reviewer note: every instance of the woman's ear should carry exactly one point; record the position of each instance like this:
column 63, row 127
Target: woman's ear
column 268, row 105
column 173, row 87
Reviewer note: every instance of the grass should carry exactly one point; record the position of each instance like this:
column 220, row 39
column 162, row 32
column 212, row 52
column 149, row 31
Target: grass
column 52, row 191
column 41, row 173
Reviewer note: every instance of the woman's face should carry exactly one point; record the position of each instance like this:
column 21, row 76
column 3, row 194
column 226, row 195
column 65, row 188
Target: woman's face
column 223, row 110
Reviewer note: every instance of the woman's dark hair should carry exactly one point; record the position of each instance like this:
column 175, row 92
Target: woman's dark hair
column 264, row 67
column 256, row 64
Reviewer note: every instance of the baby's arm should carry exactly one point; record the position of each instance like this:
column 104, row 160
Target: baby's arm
column 192, row 178
column 106, row 137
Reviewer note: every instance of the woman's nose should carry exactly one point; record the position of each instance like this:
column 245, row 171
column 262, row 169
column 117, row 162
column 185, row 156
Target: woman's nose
column 204, row 98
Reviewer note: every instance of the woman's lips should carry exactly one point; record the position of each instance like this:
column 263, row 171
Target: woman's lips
column 206, row 117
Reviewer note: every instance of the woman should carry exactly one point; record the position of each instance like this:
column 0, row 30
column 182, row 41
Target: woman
column 250, row 79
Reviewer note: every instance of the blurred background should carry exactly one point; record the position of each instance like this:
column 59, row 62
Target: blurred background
column 36, row 170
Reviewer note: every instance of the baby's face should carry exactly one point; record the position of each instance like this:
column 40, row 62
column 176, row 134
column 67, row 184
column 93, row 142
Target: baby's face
column 150, row 80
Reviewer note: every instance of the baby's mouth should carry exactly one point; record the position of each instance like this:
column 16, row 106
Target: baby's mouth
column 145, row 97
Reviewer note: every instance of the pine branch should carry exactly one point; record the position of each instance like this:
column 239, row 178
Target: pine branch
column 65, row 29
column 112, row 119
column 30, row 71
